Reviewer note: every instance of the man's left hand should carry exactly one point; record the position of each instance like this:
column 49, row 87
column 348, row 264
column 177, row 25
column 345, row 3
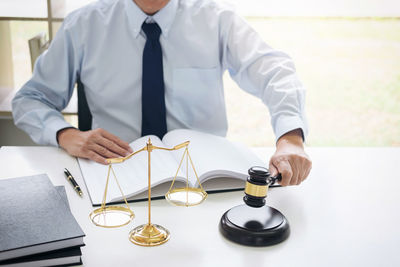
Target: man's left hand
column 290, row 159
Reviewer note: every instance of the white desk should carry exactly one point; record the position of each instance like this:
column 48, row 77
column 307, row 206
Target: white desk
column 346, row 214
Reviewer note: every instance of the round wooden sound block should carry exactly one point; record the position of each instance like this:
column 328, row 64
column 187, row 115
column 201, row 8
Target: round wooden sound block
column 250, row 226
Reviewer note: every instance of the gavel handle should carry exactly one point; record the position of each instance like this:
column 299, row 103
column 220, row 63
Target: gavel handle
column 272, row 180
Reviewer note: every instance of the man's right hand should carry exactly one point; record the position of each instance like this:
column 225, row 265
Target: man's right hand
column 97, row 145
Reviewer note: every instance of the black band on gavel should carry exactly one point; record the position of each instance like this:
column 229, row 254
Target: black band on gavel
column 257, row 186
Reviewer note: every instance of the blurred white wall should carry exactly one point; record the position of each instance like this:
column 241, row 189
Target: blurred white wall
column 269, row 8
column 318, row 8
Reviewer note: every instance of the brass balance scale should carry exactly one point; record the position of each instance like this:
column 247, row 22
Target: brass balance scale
column 148, row 234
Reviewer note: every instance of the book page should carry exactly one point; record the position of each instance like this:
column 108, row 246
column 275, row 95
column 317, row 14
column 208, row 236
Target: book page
column 132, row 174
column 213, row 155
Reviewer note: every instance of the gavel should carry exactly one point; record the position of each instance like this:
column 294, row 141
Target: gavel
column 257, row 184
column 255, row 224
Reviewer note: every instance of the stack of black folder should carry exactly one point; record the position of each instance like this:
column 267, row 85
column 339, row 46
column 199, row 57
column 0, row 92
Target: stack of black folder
column 37, row 227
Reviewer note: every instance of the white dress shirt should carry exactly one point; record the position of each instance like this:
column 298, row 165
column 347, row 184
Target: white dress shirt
column 102, row 43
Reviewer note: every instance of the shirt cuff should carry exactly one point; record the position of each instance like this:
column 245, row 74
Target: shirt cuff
column 285, row 124
column 51, row 129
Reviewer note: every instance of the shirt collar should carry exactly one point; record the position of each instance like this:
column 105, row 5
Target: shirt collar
column 164, row 17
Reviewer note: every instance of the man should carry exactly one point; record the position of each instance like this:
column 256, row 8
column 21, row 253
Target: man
column 149, row 66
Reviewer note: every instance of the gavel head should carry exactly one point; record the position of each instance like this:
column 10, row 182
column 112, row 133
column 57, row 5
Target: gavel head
column 257, row 186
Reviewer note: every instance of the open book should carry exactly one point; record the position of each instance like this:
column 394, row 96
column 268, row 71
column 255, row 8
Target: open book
column 220, row 164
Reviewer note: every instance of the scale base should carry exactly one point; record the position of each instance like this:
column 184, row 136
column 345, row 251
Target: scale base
column 149, row 235
column 249, row 226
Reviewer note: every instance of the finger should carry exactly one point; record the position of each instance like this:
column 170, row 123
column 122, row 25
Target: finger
column 295, row 165
column 96, row 157
column 303, row 171
column 111, row 146
column 301, row 178
column 308, row 170
column 285, row 169
column 304, row 168
column 306, row 175
column 272, row 169
column 124, row 145
column 103, row 151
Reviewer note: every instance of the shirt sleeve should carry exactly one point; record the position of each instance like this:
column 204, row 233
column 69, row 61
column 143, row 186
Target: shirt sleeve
column 37, row 105
column 264, row 72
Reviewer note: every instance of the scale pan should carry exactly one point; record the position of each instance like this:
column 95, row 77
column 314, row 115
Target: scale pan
column 186, row 196
column 111, row 216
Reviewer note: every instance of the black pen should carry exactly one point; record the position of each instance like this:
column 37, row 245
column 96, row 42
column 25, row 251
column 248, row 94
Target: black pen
column 73, row 182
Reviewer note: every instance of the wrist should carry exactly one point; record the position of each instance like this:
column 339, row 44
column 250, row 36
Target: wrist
column 294, row 138
column 61, row 134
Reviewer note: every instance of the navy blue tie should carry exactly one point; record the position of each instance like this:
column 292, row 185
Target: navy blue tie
column 153, row 100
